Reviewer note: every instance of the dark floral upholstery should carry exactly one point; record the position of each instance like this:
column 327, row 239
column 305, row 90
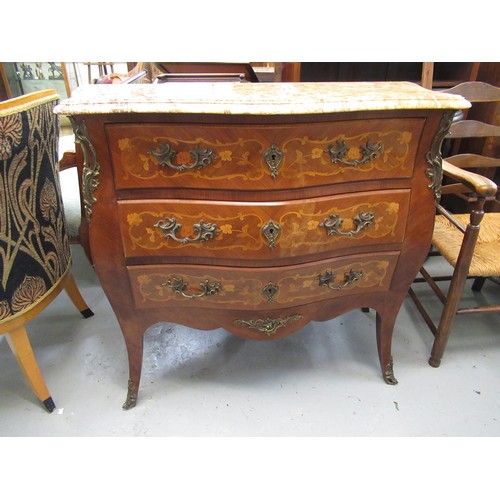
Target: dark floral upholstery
column 34, row 246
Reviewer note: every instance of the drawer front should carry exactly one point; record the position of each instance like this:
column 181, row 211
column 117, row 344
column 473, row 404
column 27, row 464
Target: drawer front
column 221, row 230
column 264, row 288
column 262, row 157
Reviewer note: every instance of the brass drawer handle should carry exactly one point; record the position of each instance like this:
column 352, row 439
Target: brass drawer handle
column 369, row 151
column 361, row 221
column 273, row 158
column 268, row 326
column 178, row 285
column 202, row 157
column 203, row 230
column 326, row 278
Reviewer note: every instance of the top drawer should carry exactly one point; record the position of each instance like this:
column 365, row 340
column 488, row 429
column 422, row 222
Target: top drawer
column 260, row 157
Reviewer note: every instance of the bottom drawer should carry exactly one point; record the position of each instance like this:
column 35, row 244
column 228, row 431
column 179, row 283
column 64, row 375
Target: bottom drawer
column 264, row 288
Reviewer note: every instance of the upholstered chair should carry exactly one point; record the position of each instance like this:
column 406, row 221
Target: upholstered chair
column 35, row 256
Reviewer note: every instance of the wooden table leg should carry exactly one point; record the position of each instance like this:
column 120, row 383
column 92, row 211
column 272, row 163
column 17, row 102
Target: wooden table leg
column 133, row 332
column 386, row 318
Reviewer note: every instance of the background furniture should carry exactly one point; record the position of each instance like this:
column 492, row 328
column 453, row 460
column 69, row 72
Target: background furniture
column 232, row 206
column 186, row 68
column 470, row 239
column 182, row 71
column 18, row 78
column 430, row 75
column 35, row 258
column 102, row 68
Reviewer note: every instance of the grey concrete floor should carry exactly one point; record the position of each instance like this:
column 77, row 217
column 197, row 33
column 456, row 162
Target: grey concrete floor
column 322, row 381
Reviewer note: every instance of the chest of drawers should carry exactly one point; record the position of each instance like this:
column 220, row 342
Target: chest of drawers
column 258, row 207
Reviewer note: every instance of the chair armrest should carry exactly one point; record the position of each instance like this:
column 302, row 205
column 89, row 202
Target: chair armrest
column 481, row 185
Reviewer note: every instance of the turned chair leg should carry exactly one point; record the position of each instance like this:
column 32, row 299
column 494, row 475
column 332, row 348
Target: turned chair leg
column 455, row 290
column 76, row 297
column 21, row 348
column 456, row 287
column 447, row 318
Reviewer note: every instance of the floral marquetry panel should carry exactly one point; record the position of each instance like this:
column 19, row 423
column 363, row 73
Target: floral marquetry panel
column 239, row 157
column 241, row 288
column 34, row 247
column 222, row 230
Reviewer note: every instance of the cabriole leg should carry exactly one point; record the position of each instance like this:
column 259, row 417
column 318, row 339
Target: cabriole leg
column 385, row 327
column 134, row 341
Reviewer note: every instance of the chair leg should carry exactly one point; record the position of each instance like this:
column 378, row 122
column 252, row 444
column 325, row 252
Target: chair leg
column 451, row 305
column 76, row 297
column 478, row 283
column 457, row 285
column 21, row 348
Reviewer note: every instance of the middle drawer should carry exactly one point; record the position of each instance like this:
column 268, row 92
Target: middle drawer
column 272, row 230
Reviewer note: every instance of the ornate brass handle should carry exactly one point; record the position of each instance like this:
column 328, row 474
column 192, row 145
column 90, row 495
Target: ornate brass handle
column 268, row 326
column 165, row 155
column 273, row 157
column 369, row 152
column 178, row 285
column 203, row 230
column 326, row 278
column 361, row 221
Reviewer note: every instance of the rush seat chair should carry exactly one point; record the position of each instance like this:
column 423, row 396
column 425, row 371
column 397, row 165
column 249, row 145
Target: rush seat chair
column 468, row 236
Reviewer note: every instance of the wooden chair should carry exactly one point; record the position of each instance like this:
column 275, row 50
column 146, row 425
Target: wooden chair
column 466, row 133
column 470, row 241
column 35, row 258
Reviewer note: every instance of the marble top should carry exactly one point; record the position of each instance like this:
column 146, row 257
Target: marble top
column 255, row 98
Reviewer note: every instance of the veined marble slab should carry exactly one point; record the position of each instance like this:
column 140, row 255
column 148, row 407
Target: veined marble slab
column 255, row 98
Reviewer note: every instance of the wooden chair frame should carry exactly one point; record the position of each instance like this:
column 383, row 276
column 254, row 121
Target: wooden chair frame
column 483, row 188
column 476, row 189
